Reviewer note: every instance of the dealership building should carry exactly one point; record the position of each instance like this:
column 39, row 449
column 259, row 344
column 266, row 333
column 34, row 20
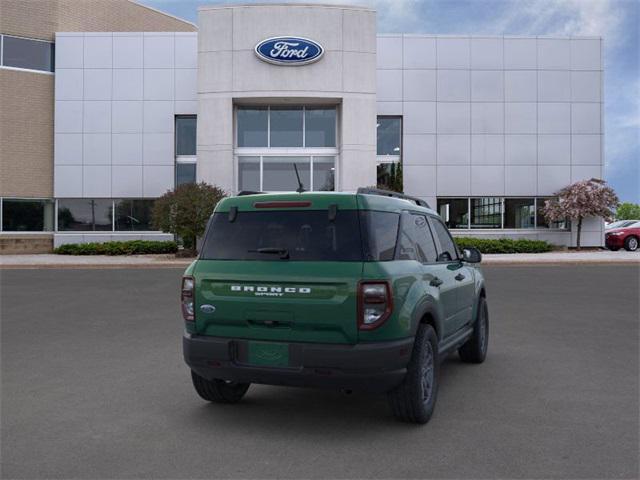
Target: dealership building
column 107, row 105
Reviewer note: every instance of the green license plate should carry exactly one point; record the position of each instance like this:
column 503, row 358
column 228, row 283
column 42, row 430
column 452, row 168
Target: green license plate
column 269, row 354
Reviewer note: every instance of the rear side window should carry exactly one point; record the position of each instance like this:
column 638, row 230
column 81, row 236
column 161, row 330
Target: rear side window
column 416, row 242
column 447, row 246
column 277, row 235
column 380, row 231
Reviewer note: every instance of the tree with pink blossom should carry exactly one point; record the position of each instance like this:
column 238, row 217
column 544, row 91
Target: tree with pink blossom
column 586, row 198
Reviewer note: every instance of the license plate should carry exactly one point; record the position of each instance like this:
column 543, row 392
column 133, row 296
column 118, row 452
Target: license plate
column 269, row 354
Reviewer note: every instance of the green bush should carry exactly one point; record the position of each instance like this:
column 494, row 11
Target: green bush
column 131, row 247
column 504, row 245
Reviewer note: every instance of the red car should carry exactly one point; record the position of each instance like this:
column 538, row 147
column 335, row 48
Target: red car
column 627, row 237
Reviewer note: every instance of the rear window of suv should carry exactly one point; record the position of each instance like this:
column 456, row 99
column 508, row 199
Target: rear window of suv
column 305, row 235
column 309, row 235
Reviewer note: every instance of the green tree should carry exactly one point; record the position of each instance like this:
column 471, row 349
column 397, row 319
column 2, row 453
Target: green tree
column 628, row 211
column 186, row 210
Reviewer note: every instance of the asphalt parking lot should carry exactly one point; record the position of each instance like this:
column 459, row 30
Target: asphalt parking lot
column 93, row 386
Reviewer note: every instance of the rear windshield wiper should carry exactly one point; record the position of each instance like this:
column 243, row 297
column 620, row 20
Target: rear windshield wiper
column 283, row 252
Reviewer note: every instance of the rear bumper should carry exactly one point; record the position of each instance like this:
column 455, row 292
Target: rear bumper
column 373, row 367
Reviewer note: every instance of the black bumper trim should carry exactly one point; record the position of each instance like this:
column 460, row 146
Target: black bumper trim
column 374, row 367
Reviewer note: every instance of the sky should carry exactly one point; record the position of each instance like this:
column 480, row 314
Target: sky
column 617, row 21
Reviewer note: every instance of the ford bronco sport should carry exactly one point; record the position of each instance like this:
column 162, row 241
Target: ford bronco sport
column 361, row 290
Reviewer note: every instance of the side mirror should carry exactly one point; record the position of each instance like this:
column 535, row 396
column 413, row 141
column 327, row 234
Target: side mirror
column 471, row 255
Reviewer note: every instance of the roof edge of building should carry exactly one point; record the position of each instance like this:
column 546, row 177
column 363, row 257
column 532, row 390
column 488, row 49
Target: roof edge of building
column 137, row 2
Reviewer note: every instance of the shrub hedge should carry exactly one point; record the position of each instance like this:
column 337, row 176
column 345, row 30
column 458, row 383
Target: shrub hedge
column 504, row 245
column 131, row 247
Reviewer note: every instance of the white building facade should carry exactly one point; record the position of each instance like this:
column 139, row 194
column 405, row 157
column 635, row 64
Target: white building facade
column 483, row 128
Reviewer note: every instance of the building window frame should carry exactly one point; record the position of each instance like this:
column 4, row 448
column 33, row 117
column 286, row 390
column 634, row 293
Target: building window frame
column 22, row 69
column 389, row 159
column 535, row 228
column 264, row 152
column 181, row 159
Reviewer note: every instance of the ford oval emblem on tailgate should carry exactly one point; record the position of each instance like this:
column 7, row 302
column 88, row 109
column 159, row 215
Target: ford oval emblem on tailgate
column 207, row 308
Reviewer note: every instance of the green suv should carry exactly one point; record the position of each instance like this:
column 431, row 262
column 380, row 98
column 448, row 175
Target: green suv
column 354, row 291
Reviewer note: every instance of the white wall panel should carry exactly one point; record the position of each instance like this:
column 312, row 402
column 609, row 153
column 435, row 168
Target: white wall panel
column 127, row 117
column 68, row 116
column 419, row 149
column 156, row 180
column 487, row 149
column 554, row 86
column 520, row 118
column 520, row 180
column 98, row 51
column 453, row 180
column 585, row 118
column 554, row 118
column 419, row 52
column 67, row 181
column 389, row 85
column 454, row 149
column 96, row 181
column 453, row 52
column 454, row 117
column 521, row 85
column 158, row 84
column 552, row 178
column 554, row 54
column 389, row 52
column 186, row 50
column 520, row 149
column 96, row 117
column 69, row 50
column 586, row 150
column 97, row 84
column 158, row 149
column 586, row 54
column 186, row 84
column 419, row 117
column 520, row 53
column 453, row 85
column 128, row 84
column 419, row 85
column 126, row 181
column 487, row 53
column 420, row 179
column 126, row 149
column 158, row 51
column 68, row 149
column 68, row 84
column 158, row 117
column 487, row 85
column 487, row 180
column 127, row 51
column 487, row 117
column 554, row 149
column 585, row 86
column 96, row 149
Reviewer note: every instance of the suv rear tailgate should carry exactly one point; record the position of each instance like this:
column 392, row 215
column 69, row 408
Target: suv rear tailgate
column 278, row 300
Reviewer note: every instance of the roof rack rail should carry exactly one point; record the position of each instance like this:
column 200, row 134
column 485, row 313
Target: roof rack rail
column 388, row 193
column 242, row 193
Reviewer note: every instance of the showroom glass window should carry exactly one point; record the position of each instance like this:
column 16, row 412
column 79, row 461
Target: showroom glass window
column 389, row 153
column 27, row 53
column 133, row 215
column 519, row 213
column 454, row 212
column 273, row 141
column 486, row 212
column 27, row 215
column 185, row 141
column 542, row 222
column 85, row 215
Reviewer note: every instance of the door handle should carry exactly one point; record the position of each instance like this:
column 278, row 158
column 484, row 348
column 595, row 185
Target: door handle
column 435, row 282
column 459, row 277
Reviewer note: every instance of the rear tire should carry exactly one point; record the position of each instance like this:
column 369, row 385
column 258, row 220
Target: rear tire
column 219, row 391
column 415, row 398
column 631, row 243
column 475, row 349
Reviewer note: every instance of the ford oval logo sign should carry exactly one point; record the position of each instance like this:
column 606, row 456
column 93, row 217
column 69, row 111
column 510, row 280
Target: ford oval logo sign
column 289, row 51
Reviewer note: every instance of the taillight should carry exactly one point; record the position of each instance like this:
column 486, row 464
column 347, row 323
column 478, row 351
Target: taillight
column 187, row 298
column 375, row 304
